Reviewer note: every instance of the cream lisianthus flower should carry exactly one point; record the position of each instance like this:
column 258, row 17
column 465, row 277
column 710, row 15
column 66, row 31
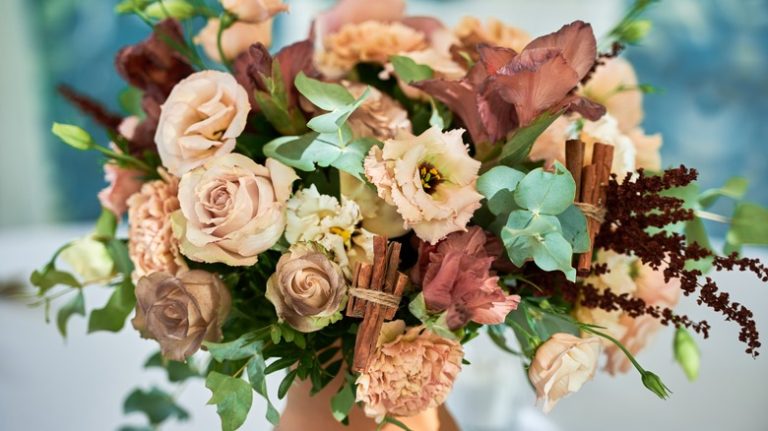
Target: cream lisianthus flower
column 606, row 131
column 336, row 226
column 235, row 40
column 561, row 366
column 365, row 42
column 430, row 179
column 201, row 119
column 409, row 374
column 232, row 209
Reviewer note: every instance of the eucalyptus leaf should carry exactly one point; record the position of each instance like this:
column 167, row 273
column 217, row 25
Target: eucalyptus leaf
column 734, row 188
column 49, row 277
column 546, row 192
column 498, row 185
column 749, row 225
column 233, row 398
column 177, row 371
column 118, row 251
column 574, row 226
column 324, row 95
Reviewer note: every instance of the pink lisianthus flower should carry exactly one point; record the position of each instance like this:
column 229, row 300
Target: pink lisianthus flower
column 457, row 278
column 122, row 182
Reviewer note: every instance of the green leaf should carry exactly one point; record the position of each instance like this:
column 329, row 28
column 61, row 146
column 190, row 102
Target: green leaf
column 519, row 145
column 118, row 250
column 286, row 383
column 276, row 107
column 49, row 277
column 409, row 71
column 496, row 333
column 178, row 9
column 334, row 120
column 155, row 404
column 257, row 377
column 687, row 353
column 342, row 402
column 734, row 188
column 75, row 306
column 395, row 422
column 574, row 226
column 498, row 185
column 119, row 306
column 106, row 225
column 546, row 192
column 324, row 95
column 299, row 152
column 280, row 364
column 539, row 237
column 73, row 136
column 129, row 100
column 177, row 371
column 233, row 398
column 749, row 225
column 241, row 348
column 351, row 157
column 555, row 253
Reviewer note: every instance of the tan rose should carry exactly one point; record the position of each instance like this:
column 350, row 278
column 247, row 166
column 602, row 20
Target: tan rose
column 254, row 11
column 200, row 120
column 181, row 312
column 151, row 244
column 366, row 42
column 561, row 366
column 429, row 178
column 232, row 209
column 235, row 40
column 307, row 289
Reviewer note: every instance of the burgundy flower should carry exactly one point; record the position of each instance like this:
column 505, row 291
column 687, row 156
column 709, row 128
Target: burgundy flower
column 456, row 277
column 506, row 90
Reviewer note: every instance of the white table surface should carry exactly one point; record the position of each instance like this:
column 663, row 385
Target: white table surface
column 49, row 384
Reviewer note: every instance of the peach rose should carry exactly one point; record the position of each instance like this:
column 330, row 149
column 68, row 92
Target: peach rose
column 181, row 312
column 235, row 40
column 307, row 289
column 365, row 42
column 123, row 182
column 254, row 11
column 151, row 244
column 232, row 209
column 410, row 374
column 429, row 178
column 201, row 119
column 561, row 366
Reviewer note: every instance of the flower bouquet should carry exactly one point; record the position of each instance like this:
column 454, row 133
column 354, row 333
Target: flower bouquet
column 355, row 207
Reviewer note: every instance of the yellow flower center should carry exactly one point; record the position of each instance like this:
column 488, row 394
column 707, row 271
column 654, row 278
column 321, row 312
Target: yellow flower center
column 344, row 234
column 430, row 177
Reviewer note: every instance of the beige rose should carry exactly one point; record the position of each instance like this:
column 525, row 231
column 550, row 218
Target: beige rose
column 235, row 40
column 201, row 119
column 429, row 178
column 181, row 312
column 151, row 244
column 366, row 42
column 561, row 366
column 307, row 289
column 232, row 209
column 254, row 11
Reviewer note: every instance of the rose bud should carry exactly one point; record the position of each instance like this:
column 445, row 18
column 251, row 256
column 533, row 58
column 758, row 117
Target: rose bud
column 307, row 289
column 181, row 312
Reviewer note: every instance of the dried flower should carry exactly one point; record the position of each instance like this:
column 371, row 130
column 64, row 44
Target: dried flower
column 151, row 244
column 410, row 374
column 430, row 178
column 561, row 367
column 181, row 312
column 457, row 279
column 232, row 209
column 200, row 120
column 307, row 289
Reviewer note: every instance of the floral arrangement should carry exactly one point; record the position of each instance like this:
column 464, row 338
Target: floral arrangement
column 357, row 206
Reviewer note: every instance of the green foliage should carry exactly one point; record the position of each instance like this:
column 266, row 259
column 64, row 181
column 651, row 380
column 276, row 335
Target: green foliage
column 233, row 398
column 410, row 71
column 129, row 100
column 687, row 353
column 748, row 226
column 49, row 276
column 535, row 204
column 177, row 371
column 156, row 404
column 330, row 97
column 496, row 333
column 436, row 323
column 106, row 225
column 344, row 400
column 257, row 377
column 630, row 30
column 244, row 347
column 112, row 316
column 734, row 188
column 73, row 136
column 76, row 305
column 517, row 147
column 275, row 104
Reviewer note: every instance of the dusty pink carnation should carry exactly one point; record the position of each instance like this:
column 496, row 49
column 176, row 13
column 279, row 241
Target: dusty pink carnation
column 410, row 374
column 123, row 182
column 458, row 279
column 430, row 179
column 151, row 244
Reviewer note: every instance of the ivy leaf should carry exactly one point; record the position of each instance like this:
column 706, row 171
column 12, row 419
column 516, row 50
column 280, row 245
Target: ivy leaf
column 233, row 398
column 498, row 185
column 574, row 226
column 409, row 71
column 241, row 348
column 519, row 145
column 177, row 371
column 342, row 402
column 546, row 192
column 49, row 277
column 157, row 405
column 119, row 306
column 75, row 306
column 256, row 375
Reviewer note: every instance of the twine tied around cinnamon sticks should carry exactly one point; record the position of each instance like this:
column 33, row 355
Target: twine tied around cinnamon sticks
column 375, row 296
column 591, row 184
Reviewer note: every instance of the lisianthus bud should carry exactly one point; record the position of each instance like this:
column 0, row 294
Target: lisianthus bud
column 179, row 9
column 655, row 385
column 687, row 353
column 89, row 259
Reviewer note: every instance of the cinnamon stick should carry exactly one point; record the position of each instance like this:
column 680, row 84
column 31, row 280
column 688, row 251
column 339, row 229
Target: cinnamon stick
column 574, row 162
column 402, row 281
column 360, row 280
column 593, row 192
